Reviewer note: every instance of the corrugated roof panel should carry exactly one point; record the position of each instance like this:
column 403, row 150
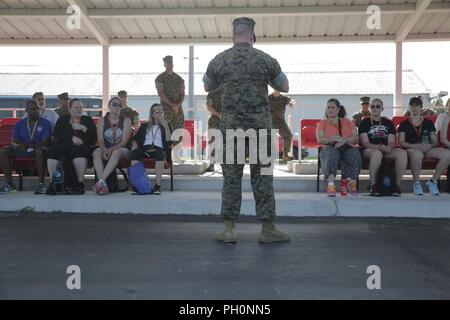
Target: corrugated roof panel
column 115, row 28
column 335, row 26
column 209, row 27
column 429, row 23
column 119, row 4
column 178, row 28
column 50, row 4
column 319, row 26
column 148, row 28
column 194, row 28
column 100, row 4
column 445, row 27
column 130, row 25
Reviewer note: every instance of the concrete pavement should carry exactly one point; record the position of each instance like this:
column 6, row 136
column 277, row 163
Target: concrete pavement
column 175, row 257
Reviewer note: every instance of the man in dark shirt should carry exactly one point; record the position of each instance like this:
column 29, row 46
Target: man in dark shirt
column 31, row 136
column 377, row 136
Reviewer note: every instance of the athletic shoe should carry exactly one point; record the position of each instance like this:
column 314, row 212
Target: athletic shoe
column 433, row 187
column 157, row 189
column 418, row 189
column 396, row 192
column 41, row 188
column 8, row 188
column 331, row 190
column 375, row 190
column 353, row 188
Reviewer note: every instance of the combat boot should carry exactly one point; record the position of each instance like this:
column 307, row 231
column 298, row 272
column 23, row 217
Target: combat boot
column 270, row 233
column 228, row 235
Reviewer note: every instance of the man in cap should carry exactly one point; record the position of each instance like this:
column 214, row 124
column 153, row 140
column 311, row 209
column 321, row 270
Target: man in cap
column 170, row 87
column 278, row 103
column 63, row 102
column 214, row 106
column 364, row 112
column 243, row 73
column 129, row 112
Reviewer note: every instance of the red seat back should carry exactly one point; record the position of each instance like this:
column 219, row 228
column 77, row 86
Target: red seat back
column 309, row 122
column 308, row 136
column 6, row 132
column 9, row 121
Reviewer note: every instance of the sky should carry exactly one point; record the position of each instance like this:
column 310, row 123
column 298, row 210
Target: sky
column 430, row 60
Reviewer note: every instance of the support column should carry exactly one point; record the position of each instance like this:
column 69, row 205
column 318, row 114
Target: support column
column 398, row 96
column 192, row 105
column 105, row 77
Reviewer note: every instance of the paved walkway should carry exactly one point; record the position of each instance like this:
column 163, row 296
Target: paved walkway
column 161, row 257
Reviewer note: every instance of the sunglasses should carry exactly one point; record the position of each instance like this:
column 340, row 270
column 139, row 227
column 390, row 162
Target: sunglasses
column 115, row 104
column 375, row 106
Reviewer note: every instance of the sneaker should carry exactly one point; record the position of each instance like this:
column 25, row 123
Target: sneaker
column 41, row 188
column 375, row 190
column 418, row 189
column 331, row 190
column 396, row 192
column 157, row 189
column 104, row 190
column 8, row 188
column 344, row 188
column 353, row 188
column 433, row 187
column 98, row 186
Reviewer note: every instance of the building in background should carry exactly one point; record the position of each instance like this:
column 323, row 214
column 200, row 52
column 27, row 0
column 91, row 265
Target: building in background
column 311, row 90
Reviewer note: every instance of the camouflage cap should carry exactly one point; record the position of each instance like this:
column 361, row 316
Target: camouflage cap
column 168, row 59
column 63, row 96
column 244, row 20
column 365, row 100
column 122, row 93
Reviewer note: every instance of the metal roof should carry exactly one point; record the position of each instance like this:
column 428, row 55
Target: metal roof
column 209, row 21
column 142, row 84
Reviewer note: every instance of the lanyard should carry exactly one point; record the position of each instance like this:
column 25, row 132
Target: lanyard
column 418, row 131
column 154, row 134
column 31, row 132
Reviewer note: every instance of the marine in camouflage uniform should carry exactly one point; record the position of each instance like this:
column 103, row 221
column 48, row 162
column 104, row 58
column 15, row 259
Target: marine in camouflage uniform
column 243, row 73
column 364, row 112
column 63, row 100
column 170, row 88
column 277, row 110
column 214, row 101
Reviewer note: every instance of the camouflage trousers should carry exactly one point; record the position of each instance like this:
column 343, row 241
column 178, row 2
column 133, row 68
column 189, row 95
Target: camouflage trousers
column 285, row 133
column 175, row 120
column 213, row 123
column 262, row 186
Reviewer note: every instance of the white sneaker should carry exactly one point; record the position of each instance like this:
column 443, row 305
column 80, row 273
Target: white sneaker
column 418, row 189
column 433, row 187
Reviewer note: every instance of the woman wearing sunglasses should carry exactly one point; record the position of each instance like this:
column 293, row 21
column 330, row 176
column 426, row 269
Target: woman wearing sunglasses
column 113, row 132
column 377, row 137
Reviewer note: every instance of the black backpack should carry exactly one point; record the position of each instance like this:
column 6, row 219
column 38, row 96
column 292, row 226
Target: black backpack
column 386, row 178
column 64, row 178
column 113, row 182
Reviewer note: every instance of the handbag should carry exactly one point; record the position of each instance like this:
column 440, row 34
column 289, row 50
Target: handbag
column 139, row 179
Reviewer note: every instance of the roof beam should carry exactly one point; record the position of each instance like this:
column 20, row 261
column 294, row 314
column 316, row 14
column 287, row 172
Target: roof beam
column 92, row 25
column 410, row 22
column 227, row 41
column 443, row 7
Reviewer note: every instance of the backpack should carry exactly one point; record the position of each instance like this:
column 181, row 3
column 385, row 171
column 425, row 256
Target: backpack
column 386, row 178
column 113, row 182
column 139, row 179
column 63, row 178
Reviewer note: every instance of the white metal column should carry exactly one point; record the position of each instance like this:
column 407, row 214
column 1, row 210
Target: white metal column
column 105, row 76
column 398, row 97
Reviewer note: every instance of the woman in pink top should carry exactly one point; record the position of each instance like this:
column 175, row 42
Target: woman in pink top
column 339, row 137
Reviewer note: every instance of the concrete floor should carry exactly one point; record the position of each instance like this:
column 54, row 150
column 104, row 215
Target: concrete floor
column 175, row 257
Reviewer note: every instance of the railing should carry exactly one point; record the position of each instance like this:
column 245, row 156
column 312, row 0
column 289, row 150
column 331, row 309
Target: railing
column 16, row 110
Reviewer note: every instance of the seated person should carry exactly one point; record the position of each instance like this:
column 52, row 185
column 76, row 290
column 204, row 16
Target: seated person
column 153, row 140
column 377, row 136
column 75, row 136
column 443, row 127
column 31, row 137
column 113, row 132
column 47, row 114
column 338, row 137
column 418, row 136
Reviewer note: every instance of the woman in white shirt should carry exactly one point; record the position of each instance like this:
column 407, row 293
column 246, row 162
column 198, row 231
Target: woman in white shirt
column 153, row 141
